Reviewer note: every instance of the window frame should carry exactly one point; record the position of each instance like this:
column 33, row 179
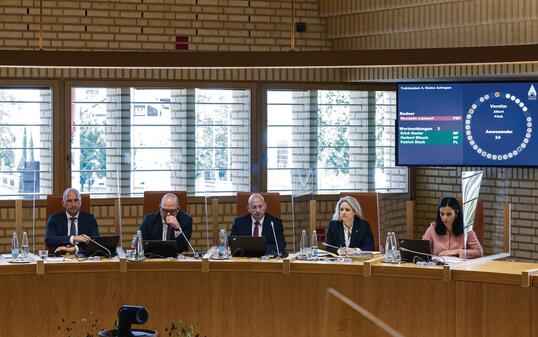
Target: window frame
column 268, row 86
column 61, row 119
column 56, row 106
column 66, row 178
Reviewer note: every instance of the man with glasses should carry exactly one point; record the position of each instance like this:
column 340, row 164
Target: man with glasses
column 168, row 223
column 65, row 230
column 260, row 223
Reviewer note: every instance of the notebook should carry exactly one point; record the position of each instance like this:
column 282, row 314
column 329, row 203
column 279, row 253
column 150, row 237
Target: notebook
column 415, row 250
column 248, row 246
column 160, row 249
column 109, row 242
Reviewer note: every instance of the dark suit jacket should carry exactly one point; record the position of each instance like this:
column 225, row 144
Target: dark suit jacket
column 56, row 232
column 152, row 229
column 361, row 235
column 242, row 226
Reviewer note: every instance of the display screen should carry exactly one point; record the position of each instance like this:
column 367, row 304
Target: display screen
column 467, row 124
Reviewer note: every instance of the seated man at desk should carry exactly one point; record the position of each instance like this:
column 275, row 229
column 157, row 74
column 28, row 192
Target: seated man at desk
column 260, row 223
column 65, row 230
column 167, row 223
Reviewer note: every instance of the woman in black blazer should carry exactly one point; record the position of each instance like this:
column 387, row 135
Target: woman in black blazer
column 347, row 230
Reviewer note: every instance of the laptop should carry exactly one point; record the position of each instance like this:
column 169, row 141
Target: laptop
column 159, row 249
column 415, row 250
column 248, row 246
column 95, row 247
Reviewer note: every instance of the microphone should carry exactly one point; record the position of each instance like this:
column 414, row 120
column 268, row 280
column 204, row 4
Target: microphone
column 274, row 235
column 194, row 253
column 98, row 244
column 443, row 261
column 328, row 245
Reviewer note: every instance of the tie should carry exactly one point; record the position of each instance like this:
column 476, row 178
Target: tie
column 72, row 227
column 169, row 231
column 256, row 232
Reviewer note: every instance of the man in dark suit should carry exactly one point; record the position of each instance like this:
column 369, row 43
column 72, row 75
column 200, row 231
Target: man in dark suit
column 259, row 223
column 167, row 223
column 64, row 233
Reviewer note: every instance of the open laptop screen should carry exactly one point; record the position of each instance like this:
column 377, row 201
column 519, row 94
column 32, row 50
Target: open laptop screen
column 248, row 246
column 415, row 250
column 104, row 245
column 160, row 249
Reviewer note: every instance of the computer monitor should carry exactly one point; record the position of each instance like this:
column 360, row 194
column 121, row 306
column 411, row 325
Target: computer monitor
column 248, row 246
column 160, row 249
column 104, row 245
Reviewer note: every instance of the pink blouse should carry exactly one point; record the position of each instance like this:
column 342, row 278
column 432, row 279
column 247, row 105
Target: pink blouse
column 448, row 242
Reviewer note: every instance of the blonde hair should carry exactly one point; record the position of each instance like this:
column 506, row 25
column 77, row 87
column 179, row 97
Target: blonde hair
column 352, row 202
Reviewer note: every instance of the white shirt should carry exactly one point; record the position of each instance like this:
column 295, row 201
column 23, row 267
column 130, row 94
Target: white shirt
column 347, row 234
column 259, row 228
column 71, row 235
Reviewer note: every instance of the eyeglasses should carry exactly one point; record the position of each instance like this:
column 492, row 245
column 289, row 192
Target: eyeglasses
column 172, row 211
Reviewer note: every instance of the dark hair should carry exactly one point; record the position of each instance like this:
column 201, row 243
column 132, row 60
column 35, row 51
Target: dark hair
column 457, row 226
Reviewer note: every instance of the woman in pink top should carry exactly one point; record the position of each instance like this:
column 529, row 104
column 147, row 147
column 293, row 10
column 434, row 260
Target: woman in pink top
column 446, row 233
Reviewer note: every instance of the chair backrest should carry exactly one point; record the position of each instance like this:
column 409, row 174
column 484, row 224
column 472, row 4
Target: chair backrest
column 478, row 225
column 152, row 200
column 54, row 203
column 272, row 199
column 369, row 202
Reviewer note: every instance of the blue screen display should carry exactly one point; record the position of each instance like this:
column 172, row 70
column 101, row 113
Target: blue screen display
column 467, row 124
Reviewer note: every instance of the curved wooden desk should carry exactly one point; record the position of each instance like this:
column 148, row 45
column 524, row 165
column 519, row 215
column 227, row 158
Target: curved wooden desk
column 267, row 298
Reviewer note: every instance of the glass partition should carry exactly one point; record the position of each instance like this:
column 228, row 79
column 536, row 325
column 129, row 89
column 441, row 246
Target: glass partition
column 301, row 197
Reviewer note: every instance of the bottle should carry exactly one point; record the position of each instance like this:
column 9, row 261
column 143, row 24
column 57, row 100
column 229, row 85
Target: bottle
column 396, row 257
column 314, row 243
column 389, row 250
column 15, row 246
column 139, row 245
column 24, row 246
column 134, row 246
column 304, row 243
column 222, row 249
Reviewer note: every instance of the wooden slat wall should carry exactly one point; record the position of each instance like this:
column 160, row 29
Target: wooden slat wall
column 392, row 24
column 276, row 75
column 408, row 24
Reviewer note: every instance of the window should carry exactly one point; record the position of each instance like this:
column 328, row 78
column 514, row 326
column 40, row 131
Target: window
column 332, row 140
column 128, row 140
column 25, row 142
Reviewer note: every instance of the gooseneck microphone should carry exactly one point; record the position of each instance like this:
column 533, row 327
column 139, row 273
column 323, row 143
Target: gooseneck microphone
column 276, row 241
column 328, row 245
column 98, row 244
column 431, row 256
column 194, row 253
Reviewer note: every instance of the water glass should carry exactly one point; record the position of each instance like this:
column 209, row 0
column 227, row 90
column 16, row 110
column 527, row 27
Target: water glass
column 43, row 253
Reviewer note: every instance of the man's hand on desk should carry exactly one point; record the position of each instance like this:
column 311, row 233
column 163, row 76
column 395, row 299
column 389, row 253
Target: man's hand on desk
column 64, row 250
column 80, row 238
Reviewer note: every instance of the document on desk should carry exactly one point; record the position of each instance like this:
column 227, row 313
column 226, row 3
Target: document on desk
column 450, row 260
